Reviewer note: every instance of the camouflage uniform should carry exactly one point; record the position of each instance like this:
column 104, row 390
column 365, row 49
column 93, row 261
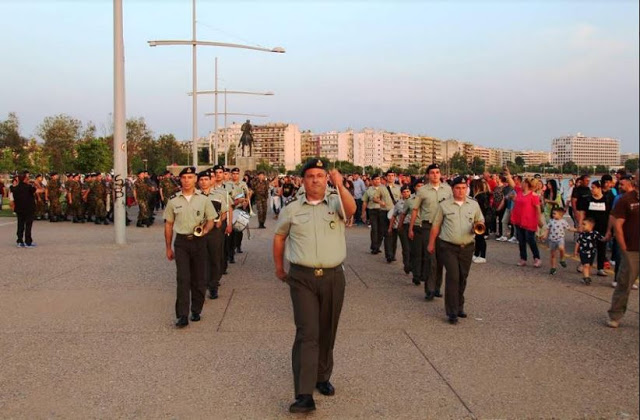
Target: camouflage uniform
column 53, row 193
column 261, row 193
column 142, row 191
column 41, row 206
column 90, row 199
column 168, row 189
column 99, row 192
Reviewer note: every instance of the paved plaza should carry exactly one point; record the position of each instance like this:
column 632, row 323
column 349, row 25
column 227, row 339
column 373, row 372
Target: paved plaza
column 86, row 331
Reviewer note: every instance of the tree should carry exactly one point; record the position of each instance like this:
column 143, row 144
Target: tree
column 520, row 161
column 10, row 134
column 602, row 169
column 168, row 152
column 414, row 169
column 6, row 160
column 93, row 155
column 60, row 133
column 631, row 165
column 477, row 165
column 139, row 136
column 458, row 163
column 569, row 168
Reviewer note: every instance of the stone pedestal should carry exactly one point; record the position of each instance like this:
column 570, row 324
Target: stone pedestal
column 246, row 163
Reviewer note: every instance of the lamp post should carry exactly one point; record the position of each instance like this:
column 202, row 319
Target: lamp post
column 119, row 127
column 194, row 42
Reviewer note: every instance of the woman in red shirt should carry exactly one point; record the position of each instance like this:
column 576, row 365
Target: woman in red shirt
column 525, row 216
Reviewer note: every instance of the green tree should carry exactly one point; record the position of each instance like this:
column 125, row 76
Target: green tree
column 93, row 155
column 60, row 133
column 139, row 143
column 477, row 165
column 631, row 165
column 414, row 169
column 520, row 161
column 602, row 169
column 569, row 168
column 10, row 134
column 6, row 160
column 168, row 152
column 458, row 164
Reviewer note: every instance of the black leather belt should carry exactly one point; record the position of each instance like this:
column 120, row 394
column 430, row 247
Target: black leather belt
column 458, row 245
column 187, row 237
column 317, row 272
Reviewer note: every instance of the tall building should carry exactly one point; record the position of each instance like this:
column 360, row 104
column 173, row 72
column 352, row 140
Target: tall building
column 451, row 147
column 532, row 157
column 585, row 151
column 368, row 148
column 277, row 143
column 308, row 146
column 335, row 145
column 626, row 156
column 507, row 156
column 431, row 151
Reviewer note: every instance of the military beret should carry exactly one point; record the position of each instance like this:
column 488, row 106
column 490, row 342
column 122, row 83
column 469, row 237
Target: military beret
column 374, row 176
column 389, row 171
column 53, row 173
column 204, row 173
column 188, row 170
column 311, row 164
column 217, row 167
column 433, row 166
column 235, row 170
column 405, row 187
column 459, row 180
column 227, row 170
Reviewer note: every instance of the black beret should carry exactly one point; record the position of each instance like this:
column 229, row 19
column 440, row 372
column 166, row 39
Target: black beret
column 204, row 173
column 312, row 164
column 459, row 180
column 433, row 166
column 405, row 187
column 227, row 170
column 235, row 170
column 390, row 171
column 374, row 176
column 188, row 170
column 216, row 167
column 418, row 181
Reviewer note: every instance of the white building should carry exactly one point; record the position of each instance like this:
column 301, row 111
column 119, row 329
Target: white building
column 534, row 157
column 368, row 149
column 335, row 145
column 585, row 151
column 277, row 143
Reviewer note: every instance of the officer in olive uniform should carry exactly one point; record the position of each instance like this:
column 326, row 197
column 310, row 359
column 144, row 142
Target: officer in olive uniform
column 99, row 191
column 426, row 203
column 141, row 192
column 453, row 224
column 238, row 187
column 372, row 201
column 390, row 195
column 184, row 212
column 311, row 234
column 215, row 239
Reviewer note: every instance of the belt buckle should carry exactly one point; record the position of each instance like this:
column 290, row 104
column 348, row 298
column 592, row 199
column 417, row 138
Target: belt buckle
column 190, row 237
column 318, row 272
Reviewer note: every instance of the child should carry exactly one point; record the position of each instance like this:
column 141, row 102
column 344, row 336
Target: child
column 586, row 247
column 555, row 233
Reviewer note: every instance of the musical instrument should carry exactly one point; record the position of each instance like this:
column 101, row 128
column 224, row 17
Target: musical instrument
column 199, row 230
column 479, row 228
column 240, row 220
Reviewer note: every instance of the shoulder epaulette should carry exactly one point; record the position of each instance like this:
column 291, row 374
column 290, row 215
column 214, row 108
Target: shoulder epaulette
column 291, row 201
column 174, row 195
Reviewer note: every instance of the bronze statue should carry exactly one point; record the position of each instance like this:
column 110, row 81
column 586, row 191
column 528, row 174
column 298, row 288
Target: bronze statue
column 247, row 138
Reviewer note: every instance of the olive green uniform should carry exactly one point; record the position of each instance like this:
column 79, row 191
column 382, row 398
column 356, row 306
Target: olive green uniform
column 430, row 266
column 315, row 248
column 456, row 247
column 53, row 192
column 41, row 206
column 390, row 194
column 143, row 192
column 190, row 251
column 99, row 193
column 261, row 193
column 215, row 241
column 375, row 216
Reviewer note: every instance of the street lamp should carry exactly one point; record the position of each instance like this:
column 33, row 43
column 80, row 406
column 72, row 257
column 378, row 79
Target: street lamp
column 145, row 164
column 194, row 42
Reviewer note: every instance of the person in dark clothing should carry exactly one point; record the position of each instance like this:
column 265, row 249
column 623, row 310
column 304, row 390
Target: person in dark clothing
column 25, row 208
column 598, row 209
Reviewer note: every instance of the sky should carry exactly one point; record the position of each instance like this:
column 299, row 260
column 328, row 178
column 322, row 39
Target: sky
column 508, row 74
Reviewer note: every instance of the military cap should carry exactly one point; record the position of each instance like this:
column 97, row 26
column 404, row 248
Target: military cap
column 390, row 171
column 235, row 170
column 311, row 164
column 405, row 187
column 374, row 176
column 188, row 170
column 433, row 166
column 459, row 180
column 204, row 173
column 217, row 167
column 53, row 173
column 227, row 170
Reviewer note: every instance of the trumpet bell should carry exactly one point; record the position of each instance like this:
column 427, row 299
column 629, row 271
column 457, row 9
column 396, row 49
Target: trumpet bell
column 479, row 228
column 198, row 230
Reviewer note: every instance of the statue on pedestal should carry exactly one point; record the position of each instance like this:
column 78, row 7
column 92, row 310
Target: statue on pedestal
column 247, row 138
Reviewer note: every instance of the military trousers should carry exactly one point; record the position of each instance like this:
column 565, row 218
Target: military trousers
column 143, row 210
column 237, row 239
column 405, row 244
column 214, row 241
column 457, row 261
column 432, row 263
column 626, row 277
column 101, row 209
column 418, row 253
column 317, row 298
column 390, row 239
column 261, row 208
column 376, row 233
column 190, row 255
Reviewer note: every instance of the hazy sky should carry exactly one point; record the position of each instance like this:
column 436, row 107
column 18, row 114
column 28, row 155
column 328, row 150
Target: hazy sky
column 500, row 74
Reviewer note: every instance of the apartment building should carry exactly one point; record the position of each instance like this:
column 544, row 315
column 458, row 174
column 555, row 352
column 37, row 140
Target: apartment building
column 308, row 146
column 278, row 143
column 368, row 148
column 431, row 151
column 626, row 156
column 451, row 147
column 585, row 151
column 335, row 145
column 533, row 157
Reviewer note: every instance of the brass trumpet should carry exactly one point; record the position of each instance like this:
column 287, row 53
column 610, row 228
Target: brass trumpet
column 479, row 228
column 199, row 230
